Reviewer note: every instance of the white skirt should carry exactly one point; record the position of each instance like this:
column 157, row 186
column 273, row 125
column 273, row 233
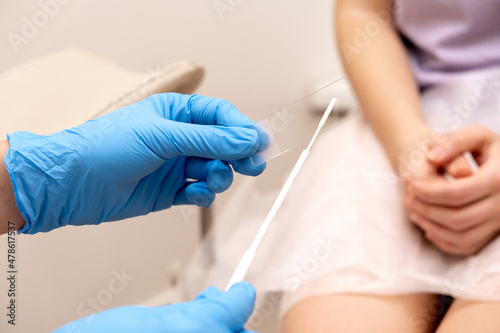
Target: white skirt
column 343, row 228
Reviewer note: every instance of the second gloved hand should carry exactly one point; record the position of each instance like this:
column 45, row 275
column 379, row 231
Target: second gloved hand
column 168, row 149
column 211, row 312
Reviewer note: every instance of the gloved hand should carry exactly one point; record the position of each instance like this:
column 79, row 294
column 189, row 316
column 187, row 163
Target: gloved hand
column 168, row 149
column 211, row 312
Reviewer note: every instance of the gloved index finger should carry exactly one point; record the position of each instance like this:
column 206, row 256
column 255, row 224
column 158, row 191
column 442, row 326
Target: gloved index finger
column 209, row 111
column 212, row 142
column 217, row 113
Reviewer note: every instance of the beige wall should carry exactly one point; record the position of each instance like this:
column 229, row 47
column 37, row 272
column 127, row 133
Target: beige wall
column 262, row 55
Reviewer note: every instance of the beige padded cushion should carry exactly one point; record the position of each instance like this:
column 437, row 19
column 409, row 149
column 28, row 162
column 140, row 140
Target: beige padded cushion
column 67, row 88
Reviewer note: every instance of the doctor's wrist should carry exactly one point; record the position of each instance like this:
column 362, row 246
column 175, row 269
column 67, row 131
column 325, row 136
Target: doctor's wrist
column 8, row 208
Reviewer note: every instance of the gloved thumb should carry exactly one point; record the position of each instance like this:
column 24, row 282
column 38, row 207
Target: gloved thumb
column 213, row 142
column 233, row 307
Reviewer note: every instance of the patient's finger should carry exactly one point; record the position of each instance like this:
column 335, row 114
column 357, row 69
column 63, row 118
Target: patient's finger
column 472, row 138
column 459, row 168
column 460, row 192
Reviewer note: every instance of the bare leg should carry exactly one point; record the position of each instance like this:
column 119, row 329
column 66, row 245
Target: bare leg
column 351, row 313
column 471, row 316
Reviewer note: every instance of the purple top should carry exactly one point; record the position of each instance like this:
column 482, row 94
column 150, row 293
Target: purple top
column 446, row 37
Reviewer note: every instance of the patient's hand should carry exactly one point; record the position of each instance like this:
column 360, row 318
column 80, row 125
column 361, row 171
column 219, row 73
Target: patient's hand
column 462, row 216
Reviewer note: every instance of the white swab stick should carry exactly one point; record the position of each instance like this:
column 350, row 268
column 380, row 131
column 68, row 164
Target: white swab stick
column 246, row 260
column 472, row 162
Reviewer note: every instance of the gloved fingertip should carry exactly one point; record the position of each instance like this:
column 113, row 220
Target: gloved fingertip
column 210, row 142
column 243, row 288
column 246, row 167
column 265, row 137
column 209, row 293
column 248, row 139
column 219, row 176
column 229, row 115
column 239, row 302
column 214, row 111
column 199, row 194
column 180, row 198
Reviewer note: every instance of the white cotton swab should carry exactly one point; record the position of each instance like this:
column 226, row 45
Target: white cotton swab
column 246, row 260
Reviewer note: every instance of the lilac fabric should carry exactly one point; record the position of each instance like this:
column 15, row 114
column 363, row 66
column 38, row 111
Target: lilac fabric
column 449, row 37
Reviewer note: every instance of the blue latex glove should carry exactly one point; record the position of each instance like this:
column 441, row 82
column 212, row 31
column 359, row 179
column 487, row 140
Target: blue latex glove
column 168, row 149
column 211, row 312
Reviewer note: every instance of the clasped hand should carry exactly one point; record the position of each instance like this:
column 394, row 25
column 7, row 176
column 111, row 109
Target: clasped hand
column 462, row 216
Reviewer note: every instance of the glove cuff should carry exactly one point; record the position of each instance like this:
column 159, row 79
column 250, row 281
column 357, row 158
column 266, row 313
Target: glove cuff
column 30, row 166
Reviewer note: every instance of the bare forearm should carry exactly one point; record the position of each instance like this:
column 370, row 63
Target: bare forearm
column 8, row 208
column 380, row 73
